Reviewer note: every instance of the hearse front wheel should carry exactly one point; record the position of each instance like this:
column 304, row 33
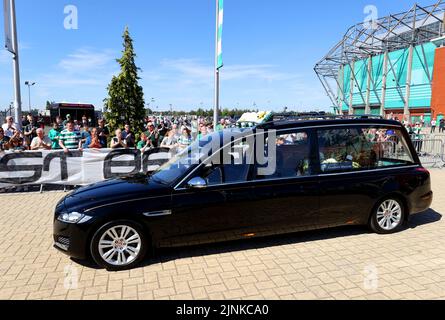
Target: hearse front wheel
column 119, row 245
column 388, row 216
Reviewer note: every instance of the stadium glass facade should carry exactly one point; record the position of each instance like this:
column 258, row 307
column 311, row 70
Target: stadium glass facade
column 395, row 69
column 395, row 94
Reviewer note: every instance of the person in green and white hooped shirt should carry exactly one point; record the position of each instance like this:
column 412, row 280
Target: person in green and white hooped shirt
column 70, row 139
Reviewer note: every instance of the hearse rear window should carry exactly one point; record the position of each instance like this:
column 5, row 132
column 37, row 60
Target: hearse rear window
column 362, row 148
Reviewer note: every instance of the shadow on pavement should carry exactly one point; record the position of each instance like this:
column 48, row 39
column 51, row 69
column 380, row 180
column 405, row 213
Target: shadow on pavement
column 424, row 218
column 166, row 255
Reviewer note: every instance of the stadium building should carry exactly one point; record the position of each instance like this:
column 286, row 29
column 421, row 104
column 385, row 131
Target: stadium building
column 393, row 66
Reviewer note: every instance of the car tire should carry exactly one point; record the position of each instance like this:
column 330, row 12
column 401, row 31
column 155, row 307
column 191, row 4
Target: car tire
column 388, row 216
column 119, row 245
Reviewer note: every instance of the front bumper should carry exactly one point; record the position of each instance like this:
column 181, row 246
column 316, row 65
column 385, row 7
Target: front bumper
column 72, row 239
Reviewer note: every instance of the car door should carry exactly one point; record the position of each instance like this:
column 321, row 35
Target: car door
column 287, row 199
column 221, row 210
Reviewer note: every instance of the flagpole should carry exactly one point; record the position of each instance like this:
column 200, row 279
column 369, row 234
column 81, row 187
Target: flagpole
column 16, row 68
column 216, row 102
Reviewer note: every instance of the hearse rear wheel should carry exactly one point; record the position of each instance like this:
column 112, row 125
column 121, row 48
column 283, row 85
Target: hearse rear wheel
column 119, row 245
column 388, row 216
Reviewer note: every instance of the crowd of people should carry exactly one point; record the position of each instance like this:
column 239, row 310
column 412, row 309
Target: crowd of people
column 159, row 132
column 67, row 134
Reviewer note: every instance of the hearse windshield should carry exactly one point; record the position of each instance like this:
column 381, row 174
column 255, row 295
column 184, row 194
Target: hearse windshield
column 192, row 156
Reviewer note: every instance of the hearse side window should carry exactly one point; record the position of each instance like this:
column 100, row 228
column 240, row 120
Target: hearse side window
column 362, row 148
column 216, row 171
column 292, row 158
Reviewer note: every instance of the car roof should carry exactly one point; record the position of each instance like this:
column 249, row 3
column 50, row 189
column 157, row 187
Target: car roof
column 290, row 124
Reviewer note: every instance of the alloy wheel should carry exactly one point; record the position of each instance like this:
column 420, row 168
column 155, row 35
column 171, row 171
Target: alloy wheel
column 120, row 245
column 389, row 215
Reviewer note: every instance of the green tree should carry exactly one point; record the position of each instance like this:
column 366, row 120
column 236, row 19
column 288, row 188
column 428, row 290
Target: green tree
column 125, row 102
column 49, row 104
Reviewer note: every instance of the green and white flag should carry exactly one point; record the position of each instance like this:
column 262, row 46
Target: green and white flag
column 220, row 18
column 8, row 29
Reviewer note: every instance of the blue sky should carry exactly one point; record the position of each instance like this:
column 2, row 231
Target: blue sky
column 270, row 48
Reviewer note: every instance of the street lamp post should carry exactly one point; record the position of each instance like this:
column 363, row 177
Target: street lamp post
column 152, row 100
column 29, row 84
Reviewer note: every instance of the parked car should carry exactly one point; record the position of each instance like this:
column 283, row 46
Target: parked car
column 280, row 177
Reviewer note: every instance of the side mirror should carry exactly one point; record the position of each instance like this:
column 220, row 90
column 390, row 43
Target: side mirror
column 197, row 183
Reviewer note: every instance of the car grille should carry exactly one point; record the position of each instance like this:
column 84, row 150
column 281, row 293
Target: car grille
column 63, row 243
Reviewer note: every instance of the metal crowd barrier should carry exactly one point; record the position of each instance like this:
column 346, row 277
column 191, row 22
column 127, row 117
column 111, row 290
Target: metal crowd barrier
column 430, row 152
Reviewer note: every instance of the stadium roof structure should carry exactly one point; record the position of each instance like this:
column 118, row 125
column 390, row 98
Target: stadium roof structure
column 417, row 26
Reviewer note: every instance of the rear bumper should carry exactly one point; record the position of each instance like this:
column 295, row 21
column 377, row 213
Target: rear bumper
column 422, row 203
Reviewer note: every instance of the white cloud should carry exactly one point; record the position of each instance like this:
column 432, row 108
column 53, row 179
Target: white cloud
column 188, row 82
column 86, row 61
column 80, row 76
column 84, row 75
column 85, row 67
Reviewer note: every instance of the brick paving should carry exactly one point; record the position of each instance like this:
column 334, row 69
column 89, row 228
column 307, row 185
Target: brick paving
column 343, row 263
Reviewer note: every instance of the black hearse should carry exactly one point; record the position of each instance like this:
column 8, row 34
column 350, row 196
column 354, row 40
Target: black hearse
column 279, row 177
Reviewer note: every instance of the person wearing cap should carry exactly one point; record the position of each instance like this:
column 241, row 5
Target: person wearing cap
column 68, row 120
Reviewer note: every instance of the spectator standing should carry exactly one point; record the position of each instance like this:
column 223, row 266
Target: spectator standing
column 170, row 141
column 129, row 137
column 85, row 134
column 175, row 130
column 4, row 140
column 221, row 126
column 53, row 135
column 41, row 121
column 203, row 131
column 93, row 141
column 70, row 139
column 162, row 131
column 10, row 128
column 143, row 144
column 84, row 122
column 67, row 120
column 186, row 138
column 40, row 142
column 103, row 133
column 442, row 125
column 152, row 135
column 60, row 124
column 433, row 126
column 417, row 134
column 30, row 130
column 24, row 121
column 76, row 126
column 118, row 142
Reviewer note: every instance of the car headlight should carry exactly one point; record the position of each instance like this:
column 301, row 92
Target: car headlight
column 74, row 218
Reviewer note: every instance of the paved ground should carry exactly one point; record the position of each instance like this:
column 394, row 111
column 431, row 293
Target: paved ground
column 345, row 263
